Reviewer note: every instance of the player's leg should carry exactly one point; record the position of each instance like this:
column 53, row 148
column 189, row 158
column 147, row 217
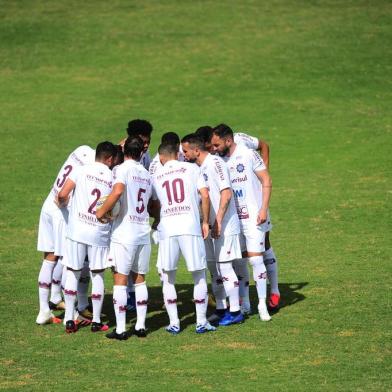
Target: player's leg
column 193, row 250
column 227, row 249
column 170, row 298
column 74, row 260
column 168, row 255
column 241, row 268
column 242, row 271
column 97, row 256
column 255, row 240
column 271, row 264
column 140, row 268
column 83, row 286
column 46, row 244
column 121, row 260
column 56, row 301
column 216, row 282
column 44, row 284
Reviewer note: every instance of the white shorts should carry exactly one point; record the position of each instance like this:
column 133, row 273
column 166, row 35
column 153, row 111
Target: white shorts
column 191, row 247
column 223, row 249
column 126, row 258
column 51, row 233
column 253, row 240
column 76, row 253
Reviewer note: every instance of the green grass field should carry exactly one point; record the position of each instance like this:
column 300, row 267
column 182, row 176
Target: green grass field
column 313, row 78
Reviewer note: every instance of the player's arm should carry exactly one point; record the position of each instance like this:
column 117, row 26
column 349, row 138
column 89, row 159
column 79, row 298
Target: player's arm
column 154, row 210
column 264, row 151
column 225, row 197
column 266, row 182
column 205, row 211
column 63, row 195
column 112, row 199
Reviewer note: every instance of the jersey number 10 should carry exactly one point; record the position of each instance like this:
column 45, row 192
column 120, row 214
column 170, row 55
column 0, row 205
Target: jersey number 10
column 174, row 190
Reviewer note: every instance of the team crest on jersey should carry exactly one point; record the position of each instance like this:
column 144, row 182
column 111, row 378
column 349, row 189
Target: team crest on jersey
column 240, row 168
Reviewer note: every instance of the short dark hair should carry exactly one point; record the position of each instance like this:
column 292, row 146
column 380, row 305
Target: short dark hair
column 223, row 131
column 170, row 138
column 120, row 154
column 139, row 127
column 133, row 147
column 168, row 149
column 205, row 132
column 105, row 150
column 194, row 140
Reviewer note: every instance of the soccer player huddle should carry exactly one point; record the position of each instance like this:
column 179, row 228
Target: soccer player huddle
column 205, row 197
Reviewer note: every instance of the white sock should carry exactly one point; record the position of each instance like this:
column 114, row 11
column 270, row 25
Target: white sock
column 217, row 286
column 130, row 286
column 63, row 279
column 271, row 263
column 170, row 296
column 84, row 282
column 230, row 282
column 120, row 307
column 259, row 276
column 242, row 271
column 97, row 294
column 141, row 296
column 200, row 296
column 55, row 292
column 70, row 292
column 44, row 284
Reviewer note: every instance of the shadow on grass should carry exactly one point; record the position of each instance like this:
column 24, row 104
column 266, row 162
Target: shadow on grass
column 157, row 317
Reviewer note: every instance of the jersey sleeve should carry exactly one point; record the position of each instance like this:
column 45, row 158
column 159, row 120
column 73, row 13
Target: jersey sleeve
column 222, row 174
column 73, row 175
column 119, row 175
column 247, row 140
column 257, row 162
column 200, row 179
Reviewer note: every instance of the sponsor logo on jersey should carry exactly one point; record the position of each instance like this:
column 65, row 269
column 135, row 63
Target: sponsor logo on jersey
column 77, row 159
column 177, row 210
column 98, row 180
column 242, row 212
column 174, row 171
column 239, row 193
column 239, row 179
column 240, row 168
column 141, row 180
column 218, row 169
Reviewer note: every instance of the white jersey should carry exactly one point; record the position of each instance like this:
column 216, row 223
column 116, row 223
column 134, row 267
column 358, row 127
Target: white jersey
column 246, row 140
column 248, row 192
column 156, row 163
column 216, row 176
column 92, row 182
column 81, row 156
column 176, row 186
column 132, row 227
column 145, row 160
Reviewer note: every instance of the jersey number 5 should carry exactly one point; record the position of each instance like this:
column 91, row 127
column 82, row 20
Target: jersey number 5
column 140, row 208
